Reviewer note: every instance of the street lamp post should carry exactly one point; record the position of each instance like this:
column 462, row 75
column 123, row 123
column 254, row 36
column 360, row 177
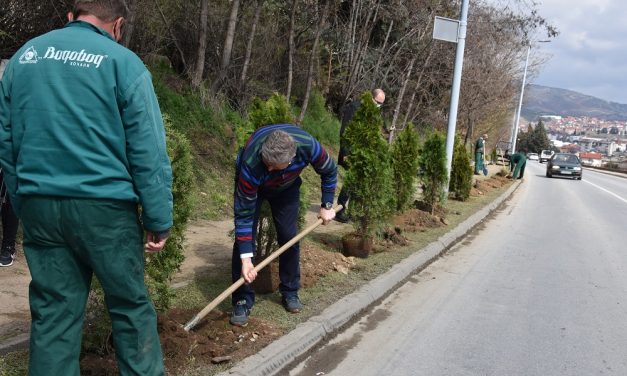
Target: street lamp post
column 520, row 100
column 517, row 113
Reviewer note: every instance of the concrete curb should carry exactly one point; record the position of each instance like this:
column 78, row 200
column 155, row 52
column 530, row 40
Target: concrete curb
column 19, row 342
column 307, row 335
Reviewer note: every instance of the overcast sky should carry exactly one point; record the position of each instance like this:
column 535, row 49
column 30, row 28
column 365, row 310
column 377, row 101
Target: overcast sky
column 590, row 53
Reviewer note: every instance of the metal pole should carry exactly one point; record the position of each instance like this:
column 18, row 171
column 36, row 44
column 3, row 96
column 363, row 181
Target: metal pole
column 517, row 114
column 457, row 79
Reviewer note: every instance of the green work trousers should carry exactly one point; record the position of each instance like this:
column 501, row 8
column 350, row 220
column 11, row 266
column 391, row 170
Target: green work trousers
column 478, row 163
column 66, row 241
column 518, row 168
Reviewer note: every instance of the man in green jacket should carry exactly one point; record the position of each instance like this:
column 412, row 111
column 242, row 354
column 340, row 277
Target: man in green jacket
column 82, row 145
column 480, row 153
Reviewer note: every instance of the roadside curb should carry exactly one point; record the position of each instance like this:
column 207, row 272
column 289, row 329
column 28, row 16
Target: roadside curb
column 19, row 342
column 278, row 354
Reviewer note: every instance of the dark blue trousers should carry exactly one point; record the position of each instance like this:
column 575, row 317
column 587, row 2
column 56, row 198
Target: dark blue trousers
column 284, row 206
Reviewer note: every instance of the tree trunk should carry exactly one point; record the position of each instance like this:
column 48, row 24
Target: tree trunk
column 418, row 85
column 228, row 47
column 176, row 43
column 382, row 51
column 312, row 59
column 130, row 23
column 399, row 100
column 249, row 45
column 290, row 52
column 202, row 44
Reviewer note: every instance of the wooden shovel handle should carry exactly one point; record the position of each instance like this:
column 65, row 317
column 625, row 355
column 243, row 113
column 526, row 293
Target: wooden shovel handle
column 225, row 294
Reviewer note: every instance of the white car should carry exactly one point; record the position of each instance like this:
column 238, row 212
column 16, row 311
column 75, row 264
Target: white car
column 545, row 155
column 533, row 156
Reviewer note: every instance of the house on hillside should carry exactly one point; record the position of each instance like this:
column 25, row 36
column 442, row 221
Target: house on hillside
column 591, row 159
column 570, row 148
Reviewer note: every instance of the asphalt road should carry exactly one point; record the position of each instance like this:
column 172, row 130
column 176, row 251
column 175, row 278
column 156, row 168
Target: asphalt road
column 541, row 289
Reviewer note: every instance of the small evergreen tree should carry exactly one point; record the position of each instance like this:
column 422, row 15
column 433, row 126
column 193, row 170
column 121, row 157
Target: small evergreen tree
column 161, row 266
column 433, row 163
column 461, row 172
column 405, row 165
column 370, row 173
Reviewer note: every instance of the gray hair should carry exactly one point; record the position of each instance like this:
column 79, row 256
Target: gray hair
column 278, row 148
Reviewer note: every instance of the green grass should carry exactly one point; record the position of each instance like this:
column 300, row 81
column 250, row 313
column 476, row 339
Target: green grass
column 14, row 364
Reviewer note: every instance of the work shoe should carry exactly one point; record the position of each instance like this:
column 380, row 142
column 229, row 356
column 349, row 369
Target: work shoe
column 342, row 217
column 292, row 303
column 7, row 255
column 239, row 317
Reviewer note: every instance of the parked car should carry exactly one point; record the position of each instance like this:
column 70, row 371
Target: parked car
column 532, row 156
column 545, row 155
column 564, row 164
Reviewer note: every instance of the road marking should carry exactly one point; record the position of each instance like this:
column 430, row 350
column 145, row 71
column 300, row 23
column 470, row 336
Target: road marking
column 610, row 192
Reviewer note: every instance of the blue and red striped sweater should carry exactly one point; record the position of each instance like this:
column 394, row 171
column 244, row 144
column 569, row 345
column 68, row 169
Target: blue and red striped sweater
column 252, row 175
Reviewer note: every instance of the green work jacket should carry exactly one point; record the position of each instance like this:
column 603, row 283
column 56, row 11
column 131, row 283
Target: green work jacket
column 79, row 119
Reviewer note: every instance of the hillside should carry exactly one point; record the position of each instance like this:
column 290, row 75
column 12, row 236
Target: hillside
column 542, row 100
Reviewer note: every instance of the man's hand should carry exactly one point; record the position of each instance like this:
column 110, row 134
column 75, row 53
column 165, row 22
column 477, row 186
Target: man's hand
column 248, row 270
column 154, row 243
column 326, row 215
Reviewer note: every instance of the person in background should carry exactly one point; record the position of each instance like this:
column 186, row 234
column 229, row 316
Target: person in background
column 10, row 224
column 269, row 168
column 480, row 154
column 348, row 111
column 82, row 145
column 517, row 163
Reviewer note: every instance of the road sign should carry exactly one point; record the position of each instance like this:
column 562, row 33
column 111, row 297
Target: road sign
column 446, row 29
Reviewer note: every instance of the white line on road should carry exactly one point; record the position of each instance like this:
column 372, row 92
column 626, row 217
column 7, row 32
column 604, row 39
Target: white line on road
column 610, row 192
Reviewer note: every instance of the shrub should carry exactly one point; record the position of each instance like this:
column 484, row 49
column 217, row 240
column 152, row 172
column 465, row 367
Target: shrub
column 320, row 123
column 405, row 166
column 161, row 266
column 461, row 172
column 370, row 173
column 433, row 164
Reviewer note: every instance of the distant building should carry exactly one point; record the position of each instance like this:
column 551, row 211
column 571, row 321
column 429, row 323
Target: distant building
column 591, row 159
column 550, row 117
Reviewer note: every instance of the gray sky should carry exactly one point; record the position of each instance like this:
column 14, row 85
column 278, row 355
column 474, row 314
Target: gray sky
column 590, row 54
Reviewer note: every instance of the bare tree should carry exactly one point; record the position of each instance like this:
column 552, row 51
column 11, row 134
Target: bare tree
column 202, row 44
column 399, row 99
column 249, row 45
column 228, row 47
column 130, row 23
column 290, row 52
column 312, row 59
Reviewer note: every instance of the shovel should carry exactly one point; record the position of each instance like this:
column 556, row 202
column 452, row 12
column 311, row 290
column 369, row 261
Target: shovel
column 214, row 303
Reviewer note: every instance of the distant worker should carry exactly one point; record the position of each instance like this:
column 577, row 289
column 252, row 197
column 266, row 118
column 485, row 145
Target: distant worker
column 348, row 111
column 517, row 163
column 479, row 154
column 268, row 169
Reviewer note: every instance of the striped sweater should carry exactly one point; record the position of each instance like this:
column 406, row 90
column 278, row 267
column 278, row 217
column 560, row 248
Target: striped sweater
column 252, row 175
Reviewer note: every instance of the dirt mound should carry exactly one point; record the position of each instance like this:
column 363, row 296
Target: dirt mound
column 214, row 340
column 414, row 220
column 483, row 186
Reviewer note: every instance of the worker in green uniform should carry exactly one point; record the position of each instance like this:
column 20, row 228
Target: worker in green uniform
column 82, row 145
column 517, row 163
column 479, row 154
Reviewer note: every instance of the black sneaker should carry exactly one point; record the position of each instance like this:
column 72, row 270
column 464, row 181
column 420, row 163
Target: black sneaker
column 240, row 314
column 342, row 217
column 7, row 255
column 292, row 303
